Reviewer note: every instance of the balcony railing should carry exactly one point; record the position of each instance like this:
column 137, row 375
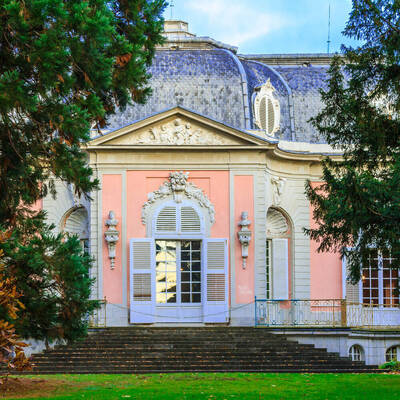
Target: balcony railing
column 324, row 313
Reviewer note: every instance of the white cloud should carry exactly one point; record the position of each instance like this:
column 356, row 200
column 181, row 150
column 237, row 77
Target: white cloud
column 234, row 21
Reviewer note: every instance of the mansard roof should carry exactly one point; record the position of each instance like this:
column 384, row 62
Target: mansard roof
column 209, row 78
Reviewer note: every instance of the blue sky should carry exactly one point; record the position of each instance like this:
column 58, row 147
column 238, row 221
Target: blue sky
column 267, row 26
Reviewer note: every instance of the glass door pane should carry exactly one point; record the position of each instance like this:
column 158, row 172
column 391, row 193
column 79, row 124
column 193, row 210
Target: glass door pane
column 190, row 271
column 178, row 271
column 166, row 266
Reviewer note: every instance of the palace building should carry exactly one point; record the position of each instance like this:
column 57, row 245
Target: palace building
column 201, row 214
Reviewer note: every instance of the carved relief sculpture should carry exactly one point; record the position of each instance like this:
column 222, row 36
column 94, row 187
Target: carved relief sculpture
column 76, row 199
column 178, row 186
column 180, row 133
column 278, row 186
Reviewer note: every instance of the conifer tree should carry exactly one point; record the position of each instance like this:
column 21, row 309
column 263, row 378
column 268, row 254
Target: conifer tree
column 52, row 274
column 358, row 205
column 65, row 66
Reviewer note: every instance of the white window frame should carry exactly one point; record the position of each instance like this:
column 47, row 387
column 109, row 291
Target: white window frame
column 396, row 348
column 179, row 236
column 360, row 286
column 356, row 352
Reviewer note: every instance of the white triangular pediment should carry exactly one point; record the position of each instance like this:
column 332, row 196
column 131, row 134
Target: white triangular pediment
column 177, row 127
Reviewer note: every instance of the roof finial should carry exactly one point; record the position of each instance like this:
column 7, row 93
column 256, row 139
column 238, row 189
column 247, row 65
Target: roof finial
column 329, row 28
column 171, row 6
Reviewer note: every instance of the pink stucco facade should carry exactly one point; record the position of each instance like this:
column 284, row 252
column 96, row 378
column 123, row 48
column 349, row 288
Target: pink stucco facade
column 325, row 270
column 112, row 200
column 215, row 184
column 244, row 201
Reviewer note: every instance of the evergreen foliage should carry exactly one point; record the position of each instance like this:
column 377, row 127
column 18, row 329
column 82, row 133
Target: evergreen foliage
column 64, row 67
column 52, row 273
column 358, row 205
column 12, row 354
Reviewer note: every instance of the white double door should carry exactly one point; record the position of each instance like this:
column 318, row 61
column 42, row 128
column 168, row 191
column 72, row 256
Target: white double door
column 178, row 281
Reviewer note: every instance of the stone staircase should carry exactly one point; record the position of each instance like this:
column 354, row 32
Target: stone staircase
column 202, row 349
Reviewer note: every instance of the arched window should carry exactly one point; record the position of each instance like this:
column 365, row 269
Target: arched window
column 277, row 255
column 76, row 222
column 177, row 220
column 266, row 109
column 393, row 353
column 356, row 353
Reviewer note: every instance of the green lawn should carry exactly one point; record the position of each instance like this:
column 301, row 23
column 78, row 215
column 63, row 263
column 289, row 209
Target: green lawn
column 243, row 386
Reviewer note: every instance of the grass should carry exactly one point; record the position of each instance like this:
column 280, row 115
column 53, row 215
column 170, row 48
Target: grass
column 227, row 386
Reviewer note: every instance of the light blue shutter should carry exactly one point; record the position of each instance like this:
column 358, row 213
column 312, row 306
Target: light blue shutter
column 215, row 281
column 280, row 269
column 142, row 287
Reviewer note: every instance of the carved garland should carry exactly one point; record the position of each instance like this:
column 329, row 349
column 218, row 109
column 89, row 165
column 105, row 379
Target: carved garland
column 177, row 185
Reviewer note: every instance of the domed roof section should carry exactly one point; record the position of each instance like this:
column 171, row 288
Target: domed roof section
column 197, row 73
column 207, row 77
column 258, row 74
column 305, row 81
column 206, row 81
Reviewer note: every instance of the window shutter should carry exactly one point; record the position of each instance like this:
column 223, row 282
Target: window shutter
column 263, row 113
column 270, row 116
column 215, row 287
column 351, row 293
column 280, row 269
column 142, row 281
column 190, row 220
column 166, row 220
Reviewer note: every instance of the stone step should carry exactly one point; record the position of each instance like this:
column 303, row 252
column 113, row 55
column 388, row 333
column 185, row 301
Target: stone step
column 210, row 349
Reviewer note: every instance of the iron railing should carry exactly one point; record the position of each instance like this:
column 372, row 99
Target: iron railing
column 324, row 313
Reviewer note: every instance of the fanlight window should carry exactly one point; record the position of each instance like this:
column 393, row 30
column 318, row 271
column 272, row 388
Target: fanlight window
column 267, row 109
column 178, row 218
column 356, row 353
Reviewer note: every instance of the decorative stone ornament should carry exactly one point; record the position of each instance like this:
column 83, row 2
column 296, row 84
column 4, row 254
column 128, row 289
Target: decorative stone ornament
column 244, row 236
column 111, row 236
column 178, row 186
column 76, row 199
column 180, row 133
column 178, row 182
column 276, row 223
column 278, row 186
column 267, row 109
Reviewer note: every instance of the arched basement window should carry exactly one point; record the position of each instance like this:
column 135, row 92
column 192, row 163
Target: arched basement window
column 277, row 255
column 393, row 353
column 356, row 353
